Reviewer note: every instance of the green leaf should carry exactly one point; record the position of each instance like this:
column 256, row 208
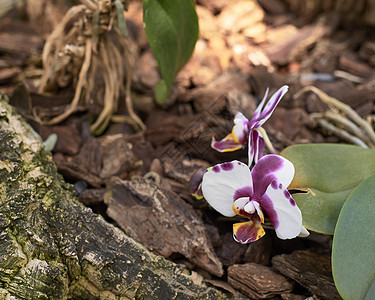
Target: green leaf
column 353, row 255
column 328, row 173
column 172, row 30
column 320, row 210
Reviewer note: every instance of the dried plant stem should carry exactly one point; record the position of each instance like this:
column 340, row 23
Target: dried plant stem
column 56, row 40
column 80, row 84
column 267, row 140
column 110, row 93
column 341, row 133
column 344, row 108
column 89, row 4
column 346, row 123
column 92, row 20
column 128, row 100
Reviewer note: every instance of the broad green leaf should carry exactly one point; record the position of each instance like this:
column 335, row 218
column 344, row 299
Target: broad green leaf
column 320, row 210
column 172, row 30
column 353, row 251
column 328, row 173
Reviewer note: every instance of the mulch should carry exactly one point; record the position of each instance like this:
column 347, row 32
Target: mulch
column 139, row 181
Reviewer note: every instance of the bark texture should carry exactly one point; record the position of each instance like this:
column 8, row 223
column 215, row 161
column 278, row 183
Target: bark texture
column 52, row 247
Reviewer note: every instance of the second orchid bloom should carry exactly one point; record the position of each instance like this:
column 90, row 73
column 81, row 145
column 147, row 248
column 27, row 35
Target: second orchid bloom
column 247, row 131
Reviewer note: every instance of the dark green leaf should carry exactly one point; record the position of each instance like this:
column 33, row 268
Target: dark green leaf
column 353, row 252
column 172, row 30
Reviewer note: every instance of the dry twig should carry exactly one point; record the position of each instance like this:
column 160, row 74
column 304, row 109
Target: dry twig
column 362, row 133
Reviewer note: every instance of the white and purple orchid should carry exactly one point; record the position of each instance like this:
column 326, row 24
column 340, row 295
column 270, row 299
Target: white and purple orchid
column 248, row 131
column 231, row 188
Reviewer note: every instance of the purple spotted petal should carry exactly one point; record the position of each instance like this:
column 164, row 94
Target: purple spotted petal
column 226, row 145
column 225, row 183
column 269, row 108
column 269, row 168
column 281, row 208
column 247, row 232
column 256, row 146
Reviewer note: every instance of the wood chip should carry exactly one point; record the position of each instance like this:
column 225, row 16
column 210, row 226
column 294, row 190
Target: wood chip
column 68, row 138
column 161, row 221
column 309, row 269
column 286, row 51
column 260, row 251
column 257, row 281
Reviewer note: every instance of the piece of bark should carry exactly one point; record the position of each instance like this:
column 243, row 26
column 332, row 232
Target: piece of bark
column 45, row 15
column 286, row 51
column 310, row 270
column 91, row 196
column 260, row 251
column 362, row 11
column 367, row 52
column 52, row 247
column 86, row 165
column 230, row 252
column 98, row 160
column 350, row 62
column 68, row 138
column 239, row 16
column 215, row 6
column 347, row 93
column 17, row 38
column 161, row 221
column 258, row 281
column 8, row 74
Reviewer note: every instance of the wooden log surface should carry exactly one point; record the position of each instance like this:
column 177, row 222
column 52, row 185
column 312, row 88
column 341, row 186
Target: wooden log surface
column 52, row 247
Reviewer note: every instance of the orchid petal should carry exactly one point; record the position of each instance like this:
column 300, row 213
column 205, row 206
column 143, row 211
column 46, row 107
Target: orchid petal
column 224, row 184
column 269, row 168
column 271, row 105
column 283, row 211
column 239, row 207
column 247, row 232
column 304, row 232
column 240, row 117
column 260, row 107
column 259, row 211
column 226, row 145
column 240, row 132
column 256, row 146
column 195, row 183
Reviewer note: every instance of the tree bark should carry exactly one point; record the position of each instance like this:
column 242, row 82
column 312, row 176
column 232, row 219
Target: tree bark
column 52, row 247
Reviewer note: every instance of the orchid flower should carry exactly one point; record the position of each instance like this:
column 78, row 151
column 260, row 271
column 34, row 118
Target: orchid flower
column 231, row 188
column 249, row 131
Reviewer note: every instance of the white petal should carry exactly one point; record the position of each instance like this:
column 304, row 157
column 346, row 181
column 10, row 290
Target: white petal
column 283, row 211
column 250, row 207
column 240, row 132
column 241, row 203
column 224, row 184
column 239, row 117
column 304, row 232
column 271, row 105
column 260, row 106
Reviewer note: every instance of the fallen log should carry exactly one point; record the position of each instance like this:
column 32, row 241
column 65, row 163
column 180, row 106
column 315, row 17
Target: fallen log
column 52, row 247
